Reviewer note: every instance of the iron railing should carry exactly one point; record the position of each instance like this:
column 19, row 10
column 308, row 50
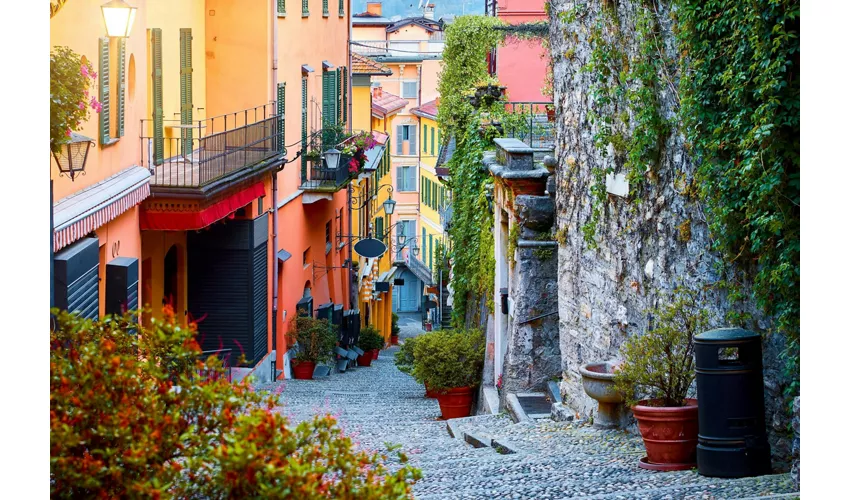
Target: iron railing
column 396, row 48
column 197, row 153
column 319, row 176
column 534, row 128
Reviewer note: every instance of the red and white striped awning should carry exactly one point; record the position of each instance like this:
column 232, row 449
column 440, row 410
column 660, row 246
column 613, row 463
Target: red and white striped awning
column 84, row 211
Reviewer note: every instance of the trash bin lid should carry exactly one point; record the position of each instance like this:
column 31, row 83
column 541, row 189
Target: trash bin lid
column 727, row 334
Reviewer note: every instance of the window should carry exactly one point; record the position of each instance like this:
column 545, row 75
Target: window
column 405, row 178
column 405, row 135
column 410, row 89
column 325, row 12
column 341, row 8
column 306, row 258
column 406, row 228
column 327, row 237
column 281, row 7
column 112, row 77
column 305, row 8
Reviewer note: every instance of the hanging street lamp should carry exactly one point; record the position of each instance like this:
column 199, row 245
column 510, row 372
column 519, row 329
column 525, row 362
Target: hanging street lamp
column 71, row 157
column 118, row 17
column 332, row 158
column 389, row 205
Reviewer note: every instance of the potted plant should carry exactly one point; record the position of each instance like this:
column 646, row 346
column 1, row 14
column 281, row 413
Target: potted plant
column 655, row 378
column 550, row 112
column 313, row 155
column 315, row 340
column 370, row 342
column 404, row 361
column 450, row 363
column 395, row 330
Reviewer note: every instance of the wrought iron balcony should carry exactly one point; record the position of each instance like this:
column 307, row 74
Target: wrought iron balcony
column 536, row 131
column 196, row 154
column 317, row 175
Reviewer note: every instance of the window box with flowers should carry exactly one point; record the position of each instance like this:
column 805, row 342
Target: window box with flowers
column 354, row 151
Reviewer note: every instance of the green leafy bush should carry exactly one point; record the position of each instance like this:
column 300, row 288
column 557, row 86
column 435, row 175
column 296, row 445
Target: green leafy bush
column 446, row 359
column 316, row 339
column 124, row 423
column 659, row 365
column 370, row 339
column 70, row 102
column 395, row 328
column 404, row 356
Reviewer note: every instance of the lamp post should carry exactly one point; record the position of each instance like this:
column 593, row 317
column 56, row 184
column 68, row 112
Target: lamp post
column 118, row 17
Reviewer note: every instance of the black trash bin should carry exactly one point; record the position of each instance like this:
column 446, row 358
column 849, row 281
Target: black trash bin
column 730, row 387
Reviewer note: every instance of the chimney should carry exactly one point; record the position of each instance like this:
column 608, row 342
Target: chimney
column 429, row 11
column 377, row 93
column 437, row 102
column 373, row 8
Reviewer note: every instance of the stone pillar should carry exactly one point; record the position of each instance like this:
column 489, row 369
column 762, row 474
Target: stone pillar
column 526, row 343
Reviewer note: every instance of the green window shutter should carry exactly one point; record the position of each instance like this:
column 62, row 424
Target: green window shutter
column 103, row 90
column 122, row 82
column 186, row 89
column 303, row 126
column 427, row 191
column 334, row 97
column 431, row 251
column 422, row 247
column 425, row 138
column 325, row 11
column 344, row 84
column 281, row 113
column 305, row 8
column 432, row 141
column 339, row 95
column 281, row 7
column 156, row 90
column 422, row 193
column 341, row 8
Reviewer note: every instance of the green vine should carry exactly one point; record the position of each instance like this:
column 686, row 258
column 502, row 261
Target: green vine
column 513, row 243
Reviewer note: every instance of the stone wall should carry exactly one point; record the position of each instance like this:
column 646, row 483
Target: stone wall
column 643, row 251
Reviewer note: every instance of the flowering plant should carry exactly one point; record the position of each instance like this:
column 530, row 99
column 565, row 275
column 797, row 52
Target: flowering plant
column 70, row 102
column 356, row 147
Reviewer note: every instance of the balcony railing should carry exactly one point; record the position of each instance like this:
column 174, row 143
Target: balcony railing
column 534, row 129
column 446, row 216
column 198, row 153
column 406, row 48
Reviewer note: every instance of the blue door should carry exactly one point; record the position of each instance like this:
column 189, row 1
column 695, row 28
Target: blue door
column 406, row 297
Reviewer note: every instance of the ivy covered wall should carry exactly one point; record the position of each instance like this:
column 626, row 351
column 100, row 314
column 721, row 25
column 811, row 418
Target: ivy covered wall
column 696, row 111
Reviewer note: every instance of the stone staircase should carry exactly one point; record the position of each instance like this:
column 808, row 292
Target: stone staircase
column 490, row 456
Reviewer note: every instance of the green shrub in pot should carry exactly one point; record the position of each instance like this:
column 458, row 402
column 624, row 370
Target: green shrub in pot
column 316, row 339
column 447, row 359
column 370, row 339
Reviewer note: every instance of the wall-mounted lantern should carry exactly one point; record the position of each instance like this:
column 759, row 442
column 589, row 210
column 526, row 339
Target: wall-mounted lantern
column 118, row 17
column 389, row 205
column 332, row 158
column 71, row 157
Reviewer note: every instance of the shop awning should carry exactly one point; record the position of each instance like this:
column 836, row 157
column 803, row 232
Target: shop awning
column 81, row 213
column 190, row 220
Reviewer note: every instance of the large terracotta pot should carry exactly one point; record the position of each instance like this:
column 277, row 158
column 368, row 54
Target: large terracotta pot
column 455, row 402
column 375, row 353
column 429, row 393
column 365, row 359
column 669, row 435
column 394, row 339
column 303, row 370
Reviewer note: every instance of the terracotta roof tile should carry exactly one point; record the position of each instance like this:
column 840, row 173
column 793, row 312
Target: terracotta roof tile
column 361, row 65
column 429, row 109
column 384, row 103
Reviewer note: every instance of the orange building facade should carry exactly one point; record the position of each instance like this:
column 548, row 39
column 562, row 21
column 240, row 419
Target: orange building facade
column 196, row 192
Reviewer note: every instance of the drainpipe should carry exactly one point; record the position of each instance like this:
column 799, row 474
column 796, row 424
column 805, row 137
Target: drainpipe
column 351, row 292
column 273, row 91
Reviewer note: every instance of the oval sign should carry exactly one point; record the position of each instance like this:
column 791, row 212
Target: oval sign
column 370, row 248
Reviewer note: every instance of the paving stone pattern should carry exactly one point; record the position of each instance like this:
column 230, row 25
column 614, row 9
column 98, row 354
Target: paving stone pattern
column 379, row 404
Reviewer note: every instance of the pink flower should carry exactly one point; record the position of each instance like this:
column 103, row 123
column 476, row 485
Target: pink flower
column 68, row 132
column 84, row 69
column 82, row 105
column 96, row 105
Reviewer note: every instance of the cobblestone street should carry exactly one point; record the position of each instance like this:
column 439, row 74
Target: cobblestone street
column 379, row 404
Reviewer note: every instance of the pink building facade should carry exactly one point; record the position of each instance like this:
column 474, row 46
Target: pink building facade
column 520, row 65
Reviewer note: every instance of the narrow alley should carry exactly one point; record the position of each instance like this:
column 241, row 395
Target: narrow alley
column 532, row 460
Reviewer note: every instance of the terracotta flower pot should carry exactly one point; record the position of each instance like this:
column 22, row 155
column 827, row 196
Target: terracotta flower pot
column 669, row 435
column 430, row 393
column 365, row 359
column 455, row 402
column 394, row 339
column 375, row 353
column 550, row 114
column 303, row 370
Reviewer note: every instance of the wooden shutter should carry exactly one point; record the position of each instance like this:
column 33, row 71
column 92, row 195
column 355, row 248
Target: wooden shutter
column 281, row 6
column 422, row 193
column 413, row 133
column 425, row 138
column 103, row 90
column 399, row 178
column 122, row 82
column 281, row 113
column 325, row 98
column 399, row 133
column 303, row 126
column 432, row 141
column 186, row 89
column 344, row 85
column 156, row 90
column 333, row 97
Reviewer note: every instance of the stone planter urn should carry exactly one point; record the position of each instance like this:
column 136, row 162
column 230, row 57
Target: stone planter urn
column 598, row 382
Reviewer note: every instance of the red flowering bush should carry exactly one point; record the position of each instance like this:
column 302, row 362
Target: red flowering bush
column 130, row 418
column 70, row 102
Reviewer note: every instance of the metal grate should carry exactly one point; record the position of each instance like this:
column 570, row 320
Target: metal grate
column 535, row 404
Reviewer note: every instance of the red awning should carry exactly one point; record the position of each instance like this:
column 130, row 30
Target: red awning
column 187, row 221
